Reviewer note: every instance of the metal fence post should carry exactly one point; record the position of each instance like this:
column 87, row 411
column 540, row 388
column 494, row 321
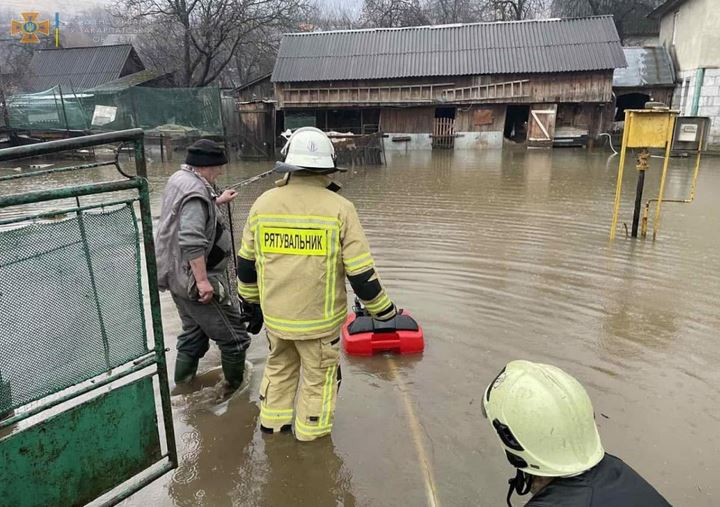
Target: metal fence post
column 156, row 316
column 140, row 165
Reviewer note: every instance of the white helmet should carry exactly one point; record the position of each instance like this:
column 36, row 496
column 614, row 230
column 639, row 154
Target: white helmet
column 544, row 419
column 309, row 148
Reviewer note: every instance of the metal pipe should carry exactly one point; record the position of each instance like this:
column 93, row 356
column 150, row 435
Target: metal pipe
column 642, row 166
column 696, row 172
column 93, row 286
column 609, row 141
column 618, row 185
column 83, row 390
column 140, row 166
column 32, row 150
column 127, row 492
column 56, row 170
column 693, row 185
column 663, row 177
column 52, row 213
column 62, row 102
column 69, row 192
column 252, row 180
column 699, row 78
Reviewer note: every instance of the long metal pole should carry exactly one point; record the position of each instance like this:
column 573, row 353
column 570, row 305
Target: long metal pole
column 93, row 286
column 3, row 103
column 621, row 167
column 66, row 192
column 140, row 166
column 32, row 150
column 638, row 202
column 666, row 162
column 62, row 102
column 139, row 364
column 693, row 188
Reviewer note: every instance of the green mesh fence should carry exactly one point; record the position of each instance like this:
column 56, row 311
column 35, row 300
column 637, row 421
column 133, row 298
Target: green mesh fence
column 173, row 111
column 69, row 306
column 48, row 110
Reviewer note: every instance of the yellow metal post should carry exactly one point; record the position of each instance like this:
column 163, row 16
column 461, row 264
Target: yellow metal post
column 668, row 147
column 697, row 163
column 641, row 166
column 621, row 167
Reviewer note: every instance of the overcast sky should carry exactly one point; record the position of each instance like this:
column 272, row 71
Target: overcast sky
column 78, row 5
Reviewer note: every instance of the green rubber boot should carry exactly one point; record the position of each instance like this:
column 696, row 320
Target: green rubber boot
column 233, row 368
column 185, row 368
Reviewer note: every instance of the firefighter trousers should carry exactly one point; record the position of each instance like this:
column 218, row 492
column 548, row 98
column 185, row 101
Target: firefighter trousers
column 300, row 382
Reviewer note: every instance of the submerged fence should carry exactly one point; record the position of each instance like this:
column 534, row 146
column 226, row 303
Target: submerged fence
column 84, row 397
column 187, row 111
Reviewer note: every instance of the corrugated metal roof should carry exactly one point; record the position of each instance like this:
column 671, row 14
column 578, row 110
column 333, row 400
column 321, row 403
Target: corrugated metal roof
column 125, row 82
column 516, row 47
column 646, row 67
column 80, row 68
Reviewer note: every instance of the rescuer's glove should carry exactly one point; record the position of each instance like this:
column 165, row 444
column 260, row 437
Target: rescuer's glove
column 388, row 314
column 253, row 315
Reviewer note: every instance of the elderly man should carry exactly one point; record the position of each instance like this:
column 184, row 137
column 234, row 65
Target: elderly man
column 193, row 249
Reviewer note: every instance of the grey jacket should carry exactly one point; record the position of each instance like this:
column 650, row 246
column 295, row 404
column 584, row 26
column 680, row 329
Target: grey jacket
column 174, row 273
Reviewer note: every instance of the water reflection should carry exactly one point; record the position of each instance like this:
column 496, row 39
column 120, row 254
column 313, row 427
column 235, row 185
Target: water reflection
column 215, row 449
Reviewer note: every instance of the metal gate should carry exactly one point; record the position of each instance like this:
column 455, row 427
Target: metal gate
column 541, row 131
column 443, row 133
column 84, row 401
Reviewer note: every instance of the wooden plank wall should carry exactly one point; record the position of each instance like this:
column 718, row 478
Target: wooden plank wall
column 231, row 119
column 407, row 120
column 262, row 90
column 256, row 134
column 550, row 88
column 485, row 118
column 586, row 87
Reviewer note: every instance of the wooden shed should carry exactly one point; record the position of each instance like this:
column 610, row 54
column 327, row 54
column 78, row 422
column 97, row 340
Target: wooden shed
column 453, row 86
column 255, row 106
column 648, row 77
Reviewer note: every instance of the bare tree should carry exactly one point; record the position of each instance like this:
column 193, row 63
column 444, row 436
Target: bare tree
column 395, row 13
column 209, row 32
column 516, row 10
column 629, row 15
column 337, row 17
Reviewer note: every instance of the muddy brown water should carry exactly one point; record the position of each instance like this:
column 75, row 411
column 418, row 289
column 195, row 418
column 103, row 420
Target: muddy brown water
column 500, row 255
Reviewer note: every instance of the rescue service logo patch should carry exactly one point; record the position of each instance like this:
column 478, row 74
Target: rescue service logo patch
column 293, row 241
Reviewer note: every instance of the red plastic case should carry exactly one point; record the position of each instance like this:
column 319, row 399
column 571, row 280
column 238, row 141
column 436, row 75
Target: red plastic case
column 377, row 337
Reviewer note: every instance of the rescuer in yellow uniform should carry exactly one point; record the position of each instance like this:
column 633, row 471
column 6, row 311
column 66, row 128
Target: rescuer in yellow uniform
column 300, row 242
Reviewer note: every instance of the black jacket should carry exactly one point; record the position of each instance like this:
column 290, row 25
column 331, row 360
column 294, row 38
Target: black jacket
column 611, row 483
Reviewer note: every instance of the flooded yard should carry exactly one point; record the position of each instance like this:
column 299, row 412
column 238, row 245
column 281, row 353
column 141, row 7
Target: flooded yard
column 500, row 255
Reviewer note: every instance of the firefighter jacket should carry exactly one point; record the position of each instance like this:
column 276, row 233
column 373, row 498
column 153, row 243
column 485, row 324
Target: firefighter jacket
column 299, row 243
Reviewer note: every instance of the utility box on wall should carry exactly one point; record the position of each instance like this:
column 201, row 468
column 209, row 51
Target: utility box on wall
column 648, row 128
column 691, row 133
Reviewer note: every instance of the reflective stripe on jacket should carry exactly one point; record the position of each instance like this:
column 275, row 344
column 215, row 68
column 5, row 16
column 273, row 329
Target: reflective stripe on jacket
column 304, row 240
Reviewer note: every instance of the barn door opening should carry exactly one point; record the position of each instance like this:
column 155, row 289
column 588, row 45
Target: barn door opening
column 516, row 123
column 541, row 131
column 443, row 135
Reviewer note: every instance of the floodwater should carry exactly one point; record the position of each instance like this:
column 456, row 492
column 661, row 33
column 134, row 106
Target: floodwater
column 500, row 255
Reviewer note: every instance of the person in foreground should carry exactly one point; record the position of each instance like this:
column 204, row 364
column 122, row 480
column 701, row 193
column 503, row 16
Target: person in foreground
column 546, row 425
column 300, row 241
column 193, row 250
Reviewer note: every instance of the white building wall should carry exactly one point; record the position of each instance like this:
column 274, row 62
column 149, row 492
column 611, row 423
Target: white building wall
column 709, row 103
